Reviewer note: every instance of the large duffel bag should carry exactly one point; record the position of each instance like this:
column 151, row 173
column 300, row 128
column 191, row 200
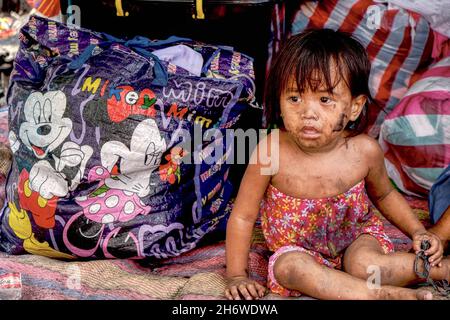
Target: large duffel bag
column 100, row 127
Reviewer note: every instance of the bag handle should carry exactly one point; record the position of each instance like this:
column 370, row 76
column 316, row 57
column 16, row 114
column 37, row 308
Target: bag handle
column 144, row 42
column 137, row 44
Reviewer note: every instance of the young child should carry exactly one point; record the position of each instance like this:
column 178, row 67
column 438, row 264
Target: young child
column 315, row 211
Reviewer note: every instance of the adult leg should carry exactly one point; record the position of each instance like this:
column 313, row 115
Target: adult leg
column 396, row 268
column 300, row 271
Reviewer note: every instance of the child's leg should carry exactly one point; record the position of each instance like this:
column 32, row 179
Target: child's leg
column 300, row 271
column 396, row 268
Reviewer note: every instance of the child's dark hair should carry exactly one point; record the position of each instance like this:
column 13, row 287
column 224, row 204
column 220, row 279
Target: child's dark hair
column 308, row 57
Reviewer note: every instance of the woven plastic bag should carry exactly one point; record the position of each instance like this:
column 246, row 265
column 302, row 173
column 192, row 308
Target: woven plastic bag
column 97, row 127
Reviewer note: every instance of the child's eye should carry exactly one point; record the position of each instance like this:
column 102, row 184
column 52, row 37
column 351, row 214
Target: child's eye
column 326, row 100
column 294, row 99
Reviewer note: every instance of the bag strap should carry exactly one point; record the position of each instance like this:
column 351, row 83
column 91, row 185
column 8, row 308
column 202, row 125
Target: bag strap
column 137, row 44
column 144, row 42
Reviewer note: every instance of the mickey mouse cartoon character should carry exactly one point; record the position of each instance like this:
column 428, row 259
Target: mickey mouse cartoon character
column 52, row 176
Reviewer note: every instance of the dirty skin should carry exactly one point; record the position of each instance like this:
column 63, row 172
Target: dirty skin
column 341, row 123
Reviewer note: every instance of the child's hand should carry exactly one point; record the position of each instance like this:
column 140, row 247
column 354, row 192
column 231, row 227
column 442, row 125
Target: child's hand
column 244, row 286
column 436, row 250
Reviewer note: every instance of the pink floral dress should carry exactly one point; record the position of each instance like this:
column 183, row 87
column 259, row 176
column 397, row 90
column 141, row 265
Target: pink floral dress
column 322, row 228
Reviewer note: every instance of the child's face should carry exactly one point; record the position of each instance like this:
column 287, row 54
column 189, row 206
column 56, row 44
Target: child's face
column 316, row 120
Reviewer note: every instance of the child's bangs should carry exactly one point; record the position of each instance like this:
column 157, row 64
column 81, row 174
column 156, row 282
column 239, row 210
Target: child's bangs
column 320, row 72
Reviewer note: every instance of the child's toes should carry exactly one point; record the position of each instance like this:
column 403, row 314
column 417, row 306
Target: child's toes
column 424, row 295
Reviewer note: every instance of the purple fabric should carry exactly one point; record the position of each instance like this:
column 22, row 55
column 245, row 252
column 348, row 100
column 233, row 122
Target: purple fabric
column 96, row 170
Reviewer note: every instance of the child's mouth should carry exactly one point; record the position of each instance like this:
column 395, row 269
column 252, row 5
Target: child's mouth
column 310, row 132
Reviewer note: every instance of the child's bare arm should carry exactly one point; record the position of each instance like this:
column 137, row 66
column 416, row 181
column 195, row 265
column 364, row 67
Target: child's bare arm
column 392, row 204
column 239, row 232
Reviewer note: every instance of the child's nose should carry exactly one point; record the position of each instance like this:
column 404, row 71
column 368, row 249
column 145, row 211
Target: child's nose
column 310, row 112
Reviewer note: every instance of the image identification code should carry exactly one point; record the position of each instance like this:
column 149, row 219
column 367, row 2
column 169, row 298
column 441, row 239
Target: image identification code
column 226, row 309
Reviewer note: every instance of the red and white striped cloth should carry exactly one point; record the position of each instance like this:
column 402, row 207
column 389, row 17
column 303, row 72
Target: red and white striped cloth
column 47, row 8
column 277, row 31
column 416, row 134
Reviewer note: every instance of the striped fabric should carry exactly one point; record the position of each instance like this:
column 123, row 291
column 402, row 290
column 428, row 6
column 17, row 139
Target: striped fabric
column 48, row 8
column 398, row 43
column 277, row 30
column 416, row 134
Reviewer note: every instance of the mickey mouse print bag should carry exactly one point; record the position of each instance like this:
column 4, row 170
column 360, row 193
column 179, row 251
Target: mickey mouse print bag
column 95, row 129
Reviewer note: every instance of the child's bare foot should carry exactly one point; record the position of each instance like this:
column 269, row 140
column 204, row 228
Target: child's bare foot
column 424, row 295
column 398, row 293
